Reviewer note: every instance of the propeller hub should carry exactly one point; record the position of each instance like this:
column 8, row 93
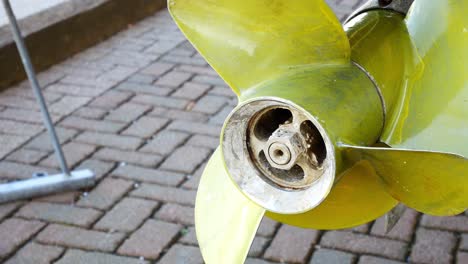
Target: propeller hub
column 278, row 154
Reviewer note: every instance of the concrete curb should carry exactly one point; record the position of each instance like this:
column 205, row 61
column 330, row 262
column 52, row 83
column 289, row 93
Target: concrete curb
column 74, row 27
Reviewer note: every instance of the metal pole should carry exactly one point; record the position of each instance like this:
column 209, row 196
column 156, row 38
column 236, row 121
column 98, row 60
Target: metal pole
column 35, row 86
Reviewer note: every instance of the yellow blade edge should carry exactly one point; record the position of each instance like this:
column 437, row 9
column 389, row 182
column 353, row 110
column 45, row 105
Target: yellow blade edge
column 225, row 220
column 434, row 183
column 248, row 42
column 431, row 112
column 357, row 198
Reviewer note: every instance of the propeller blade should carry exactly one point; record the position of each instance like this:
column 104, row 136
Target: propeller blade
column 225, row 220
column 249, row 42
column 432, row 112
column 434, row 183
column 357, row 198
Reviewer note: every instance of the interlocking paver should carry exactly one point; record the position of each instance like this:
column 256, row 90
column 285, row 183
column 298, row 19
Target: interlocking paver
column 74, row 153
column 110, row 140
column 78, row 256
column 150, row 240
column 328, row 256
column 186, row 159
column 7, row 208
column 108, row 192
column 146, row 127
column 180, row 254
column 127, row 112
column 75, row 237
column 135, row 173
column 14, row 232
column 165, row 142
column 291, row 244
column 363, row 244
column 24, row 155
column 42, row 142
column 34, row 253
column 433, row 246
column 165, row 194
column 59, row 213
column 177, row 214
column 133, row 157
column 130, row 212
column 191, row 91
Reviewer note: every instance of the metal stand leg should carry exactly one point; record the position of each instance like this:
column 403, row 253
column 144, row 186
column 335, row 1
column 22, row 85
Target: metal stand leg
column 40, row 186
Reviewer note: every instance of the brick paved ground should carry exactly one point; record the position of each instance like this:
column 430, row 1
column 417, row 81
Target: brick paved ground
column 144, row 111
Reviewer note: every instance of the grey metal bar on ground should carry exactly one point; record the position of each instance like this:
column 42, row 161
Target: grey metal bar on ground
column 48, row 184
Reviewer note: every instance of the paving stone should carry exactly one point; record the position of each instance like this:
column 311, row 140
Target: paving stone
column 258, row 246
column 189, row 236
column 69, row 198
column 110, row 99
column 181, row 115
column 360, row 229
column 140, row 78
column 195, row 127
column 99, row 168
column 59, row 213
column 433, row 246
column 110, row 140
column 267, row 227
column 15, row 232
column 68, row 104
column 90, row 82
column 75, row 237
column 210, row 80
column 463, row 242
column 376, row 260
column 118, row 74
column 77, row 256
column 223, row 91
column 364, row 244
column 191, row 91
column 221, row 116
column 127, row 112
column 7, row 208
column 13, row 170
column 454, row 223
column 173, row 79
column 140, row 88
column 291, row 244
column 30, row 156
column 10, row 143
column 328, row 256
column 160, row 101
column 130, row 212
column 42, row 142
column 403, row 230
column 157, row 68
column 194, row 180
column 91, row 125
column 462, row 257
column 19, row 102
column 165, row 194
column 148, row 175
column 34, row 253
column 197, row 69
column 181, row 254
column 209, row 104
column 184, row 60
column 24, row 115
column 77, row 90
column 146, row 127
column 133, row 157
column 19, row 128
column 186, row 159
column 257, row 261
column 74, row 153
column 150, row 240
column 177, row 214
column 204, row 141
column 165, row 142
column 106, row 194
column 90, row 112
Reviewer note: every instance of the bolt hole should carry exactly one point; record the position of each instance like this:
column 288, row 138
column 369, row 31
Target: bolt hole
column 385, row 2
column 316, row 144
column 270, row 120
column 279, row 153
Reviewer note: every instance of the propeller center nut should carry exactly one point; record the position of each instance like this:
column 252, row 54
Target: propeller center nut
column 279, row 153
column 284, row 147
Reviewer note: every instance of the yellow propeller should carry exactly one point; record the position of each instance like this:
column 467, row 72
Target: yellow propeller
column 313, row 99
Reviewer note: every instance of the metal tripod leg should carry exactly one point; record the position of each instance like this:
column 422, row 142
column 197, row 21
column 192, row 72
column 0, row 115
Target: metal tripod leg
column 49, row 184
